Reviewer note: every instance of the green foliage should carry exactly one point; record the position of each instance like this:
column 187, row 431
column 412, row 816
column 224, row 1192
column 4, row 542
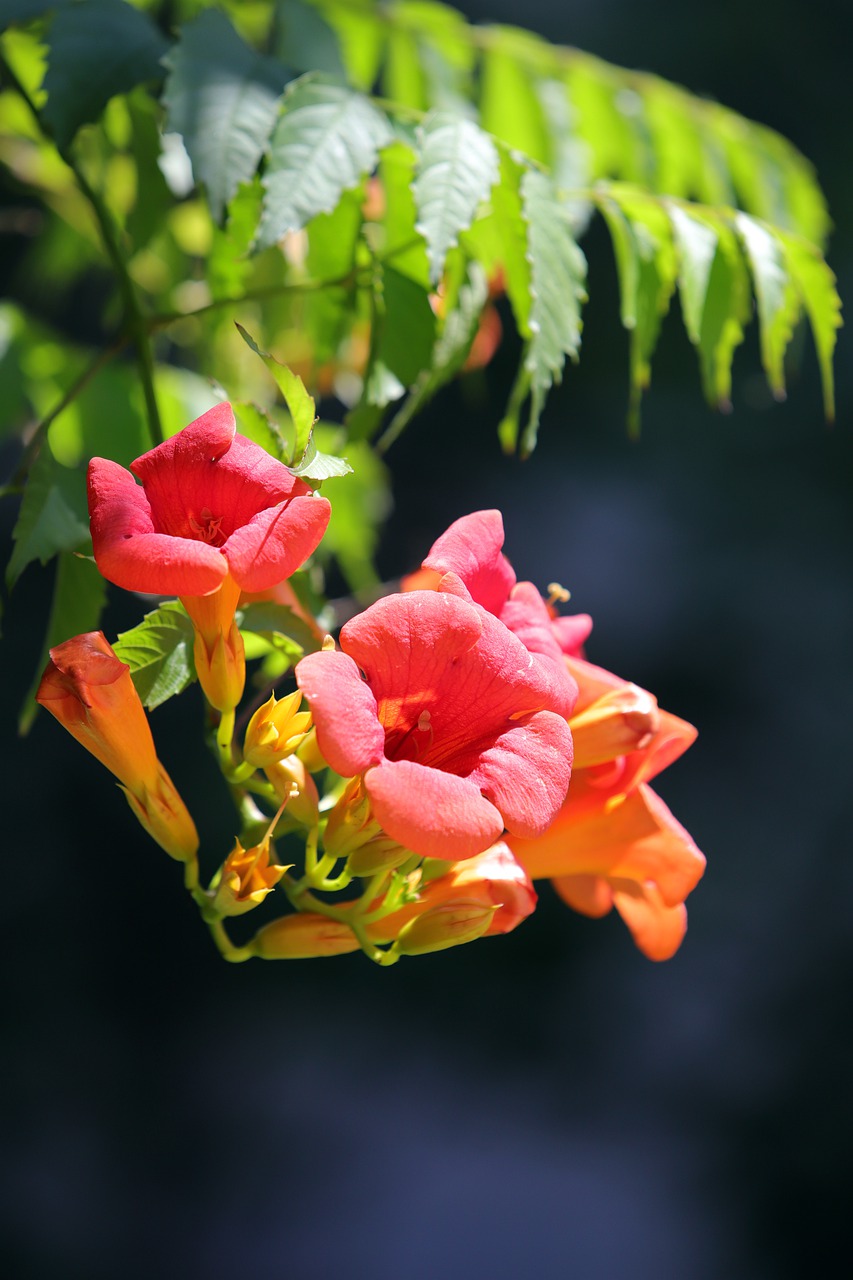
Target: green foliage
column 242, row 170
column 326, row 139
column 159, row 652
column 98, row 48
column 222, row 98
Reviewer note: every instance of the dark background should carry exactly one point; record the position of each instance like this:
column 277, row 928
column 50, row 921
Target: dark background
column 547, row 1104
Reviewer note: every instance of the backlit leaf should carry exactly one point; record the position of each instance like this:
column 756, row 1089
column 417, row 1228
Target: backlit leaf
column 159, row 652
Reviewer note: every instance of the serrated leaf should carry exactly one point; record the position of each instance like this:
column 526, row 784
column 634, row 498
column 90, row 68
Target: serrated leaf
column 499, row 239
column 697, row 246
column 457, row 168
column 98, row 48
column 333, row 240
column 557, row 275
column 715, row 294
column 816, row 284
column 51, row 518
column 362, row 42
column 403, row 77
column 777, row 297
column 223, row 99
column 159, row 652
column 647, row 266
column 327, row 138
column 79, row 595
column 608, row 115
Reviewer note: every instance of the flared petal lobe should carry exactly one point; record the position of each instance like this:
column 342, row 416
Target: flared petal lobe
column 210, row 502
column 458, row 732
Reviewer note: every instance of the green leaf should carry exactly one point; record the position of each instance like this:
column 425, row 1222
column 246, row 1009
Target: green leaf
column 257, row 425
column 403, row 77
column 52, row 516
column 277, row 624
column 299, row 403
column 159, row 652
column 777, row 297
column 326, row 140
column 557, row 275
column 647, row 265
column 223, row 99
column 509, row 104
column 715, row 294
column 608, row 115
column 333, row 241
column 816, row 285
column 362, row 41
column 359, row 506
column 499, row 240
column 98, row 48
column 449, row 353
column 403, row 247
column 320, row 466
column 457, row 168
column 696, row 241
column 79, row 595
column 305, row 40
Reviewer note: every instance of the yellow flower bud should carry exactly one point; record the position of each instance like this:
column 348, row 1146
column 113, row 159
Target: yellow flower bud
column 303, row 936
column 294, row 784
column 444, row 926
column 353, row 833
column 275, row 730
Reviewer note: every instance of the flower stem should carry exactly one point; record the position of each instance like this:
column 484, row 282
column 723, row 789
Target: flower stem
column 235, row 955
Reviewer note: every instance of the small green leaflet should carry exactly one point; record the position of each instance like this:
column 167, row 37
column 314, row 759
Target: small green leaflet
column 159, row 652
column 777, row 297
column 816, row 285
column 305, row 460
column 713, row 285
column 647, row 265
column 557, row 276
column 327, row 138
column 98, row 48
column 222, row 98
column 52, row 515
column 457, row 168
column 79, row 595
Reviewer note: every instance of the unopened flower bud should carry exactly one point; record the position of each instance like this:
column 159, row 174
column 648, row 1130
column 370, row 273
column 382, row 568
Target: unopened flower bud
column 275, row 730
column 353, row 833
column 616, row 724
column 90, row 692
column 448, row 925
column 309, row 753
column 294, row 784
column 303, row 936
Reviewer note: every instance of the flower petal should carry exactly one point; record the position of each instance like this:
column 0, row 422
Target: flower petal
column 274, row 543
column 471, row 548
column 590, row 895
column 657, row 929
column 635, row 839
column 130, row 553
column 349, row 733
column 435, row 814
column 526, row 773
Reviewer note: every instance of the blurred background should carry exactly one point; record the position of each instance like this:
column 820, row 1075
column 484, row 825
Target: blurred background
column 549, row 1103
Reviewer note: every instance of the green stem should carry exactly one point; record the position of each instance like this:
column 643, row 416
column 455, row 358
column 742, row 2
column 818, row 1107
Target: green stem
column 224, row 736
column 235, row 955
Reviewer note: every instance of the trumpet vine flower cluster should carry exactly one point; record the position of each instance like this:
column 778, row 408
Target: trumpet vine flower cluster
column 419, row 773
